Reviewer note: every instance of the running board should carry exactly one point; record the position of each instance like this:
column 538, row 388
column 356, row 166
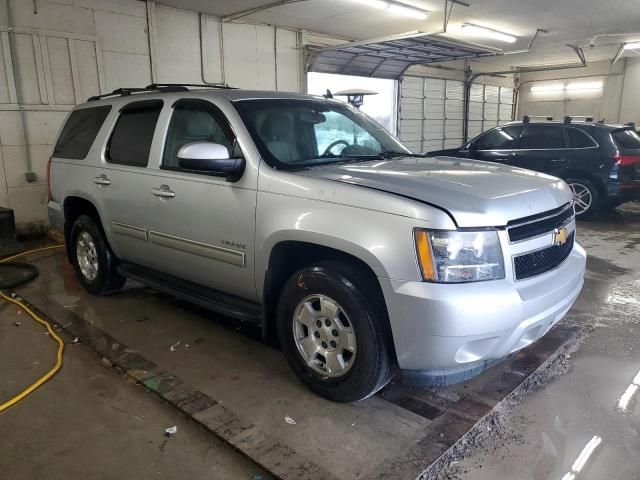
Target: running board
column 206, row 297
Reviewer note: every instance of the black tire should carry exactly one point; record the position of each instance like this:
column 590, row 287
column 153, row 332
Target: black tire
column 374, row 363
column 596, row 197
column 106, row 279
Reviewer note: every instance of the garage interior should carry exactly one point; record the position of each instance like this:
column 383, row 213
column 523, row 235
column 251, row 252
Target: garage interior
column 139, row 362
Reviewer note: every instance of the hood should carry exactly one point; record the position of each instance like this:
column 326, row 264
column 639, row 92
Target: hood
column 474, row 193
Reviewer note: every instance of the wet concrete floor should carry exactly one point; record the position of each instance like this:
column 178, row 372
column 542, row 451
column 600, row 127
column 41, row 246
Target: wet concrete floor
column 539, row 438
column 585, row 423
column 88, row 422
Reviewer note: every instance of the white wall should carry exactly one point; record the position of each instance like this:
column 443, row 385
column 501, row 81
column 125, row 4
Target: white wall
column 68, row 50
column 601, row 104
column 630, row 98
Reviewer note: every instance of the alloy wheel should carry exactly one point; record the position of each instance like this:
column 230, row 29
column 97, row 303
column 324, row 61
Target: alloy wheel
column 582, row 197
column 87, row 256
column 324, row 335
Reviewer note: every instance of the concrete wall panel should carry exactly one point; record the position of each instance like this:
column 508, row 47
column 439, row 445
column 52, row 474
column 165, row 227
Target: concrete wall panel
column 178, row 46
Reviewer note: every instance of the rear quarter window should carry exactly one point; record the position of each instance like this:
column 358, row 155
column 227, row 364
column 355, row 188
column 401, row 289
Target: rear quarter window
column 580, row 139
column 79, row 132
column 627, row 139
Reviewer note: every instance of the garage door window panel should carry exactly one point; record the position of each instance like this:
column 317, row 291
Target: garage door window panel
column 542, row 137
column 498, row 139
column 197, row 122
column 132, row 136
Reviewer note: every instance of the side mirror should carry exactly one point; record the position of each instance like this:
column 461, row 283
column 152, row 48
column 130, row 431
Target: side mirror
column 210, row 158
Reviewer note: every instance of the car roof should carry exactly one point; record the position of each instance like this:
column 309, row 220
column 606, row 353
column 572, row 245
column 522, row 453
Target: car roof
column 214, row 93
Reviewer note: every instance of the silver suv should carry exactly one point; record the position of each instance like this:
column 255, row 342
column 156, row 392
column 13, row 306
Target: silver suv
column 303, row 215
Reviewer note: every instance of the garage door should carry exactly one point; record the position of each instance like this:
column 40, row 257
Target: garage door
column 432, row 111
column 489, row 106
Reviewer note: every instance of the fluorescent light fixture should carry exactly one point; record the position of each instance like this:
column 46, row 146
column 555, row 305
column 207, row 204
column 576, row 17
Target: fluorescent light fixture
column 548, row 87
column 380, row 4
column 631, row 46
column 479, row 31
column 584, row 86
column 395, row 8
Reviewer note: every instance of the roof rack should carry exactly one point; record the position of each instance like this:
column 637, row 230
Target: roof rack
column 157, row 87
column 566, row 119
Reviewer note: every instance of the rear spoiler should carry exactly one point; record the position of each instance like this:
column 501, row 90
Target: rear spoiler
column 622, row 129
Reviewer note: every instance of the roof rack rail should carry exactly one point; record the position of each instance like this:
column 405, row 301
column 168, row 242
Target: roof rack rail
column 527, row 118
column 156, row 87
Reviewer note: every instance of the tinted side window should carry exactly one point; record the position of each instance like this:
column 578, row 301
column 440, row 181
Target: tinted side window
column 501, row 138
column 580, row 139
column 196, row 121
column 627, row 138
column 131, row 138
column 543, row 137
column 80, row 131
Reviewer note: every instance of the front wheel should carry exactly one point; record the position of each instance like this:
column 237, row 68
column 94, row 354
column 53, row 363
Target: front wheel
column 92, row 258
column 587, row 198
column 334, row 332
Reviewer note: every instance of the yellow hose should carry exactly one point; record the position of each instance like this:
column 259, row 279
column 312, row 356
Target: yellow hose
column 53, row 334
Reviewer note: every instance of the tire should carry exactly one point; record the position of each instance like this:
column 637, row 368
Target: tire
column 588, row 197
column 92, row 258
column 366, row 368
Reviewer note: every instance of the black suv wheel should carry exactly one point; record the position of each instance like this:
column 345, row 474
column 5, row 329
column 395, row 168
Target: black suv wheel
column 586, row 196
column 92, row 258
column 334, row 332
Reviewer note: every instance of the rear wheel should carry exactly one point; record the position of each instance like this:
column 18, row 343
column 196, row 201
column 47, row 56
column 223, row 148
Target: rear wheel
column 586, row 196
column 92, row 258
column 334, row 332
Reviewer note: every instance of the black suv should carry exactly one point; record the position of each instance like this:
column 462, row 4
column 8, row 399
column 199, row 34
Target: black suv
column 600, row 162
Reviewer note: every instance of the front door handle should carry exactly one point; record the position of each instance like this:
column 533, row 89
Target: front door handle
column 163, row 191
column 101, row 180
column 557, row 160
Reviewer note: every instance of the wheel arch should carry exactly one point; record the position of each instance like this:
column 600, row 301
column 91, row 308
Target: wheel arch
column 74, row 206
column 288, row 256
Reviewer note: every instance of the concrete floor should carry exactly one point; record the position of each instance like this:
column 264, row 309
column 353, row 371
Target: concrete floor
column 546, row 433
column 86, row 436
column 88, row 422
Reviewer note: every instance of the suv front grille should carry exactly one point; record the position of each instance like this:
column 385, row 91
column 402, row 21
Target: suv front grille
column 540, row 224
column 535, row 263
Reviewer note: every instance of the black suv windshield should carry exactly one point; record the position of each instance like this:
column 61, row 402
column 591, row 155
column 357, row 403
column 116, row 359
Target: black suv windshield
column 293, row 134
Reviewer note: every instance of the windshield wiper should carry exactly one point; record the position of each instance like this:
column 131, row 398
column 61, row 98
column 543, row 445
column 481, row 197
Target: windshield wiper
column 395, row 154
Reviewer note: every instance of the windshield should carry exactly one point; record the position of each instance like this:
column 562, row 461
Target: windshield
column 292, row 134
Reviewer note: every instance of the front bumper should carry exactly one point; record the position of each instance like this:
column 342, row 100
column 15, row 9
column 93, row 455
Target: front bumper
column 455, row 329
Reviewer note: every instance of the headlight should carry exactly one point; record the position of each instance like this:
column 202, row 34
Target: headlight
column 457, row 257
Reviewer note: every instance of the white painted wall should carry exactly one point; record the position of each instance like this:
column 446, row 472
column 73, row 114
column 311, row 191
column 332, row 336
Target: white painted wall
column 68, row 50
column 602, row 104
column 630, row 98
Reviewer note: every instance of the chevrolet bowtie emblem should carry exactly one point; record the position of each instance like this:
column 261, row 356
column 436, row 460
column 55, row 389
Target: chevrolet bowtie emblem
column 560, row 236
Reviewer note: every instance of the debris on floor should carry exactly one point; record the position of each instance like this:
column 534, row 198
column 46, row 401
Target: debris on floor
column 173, row 347
column 290, row 420
column 170, row 431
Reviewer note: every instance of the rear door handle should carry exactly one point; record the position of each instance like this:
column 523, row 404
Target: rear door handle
column 101, row 180
column 163, row 191
column 558, row 160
